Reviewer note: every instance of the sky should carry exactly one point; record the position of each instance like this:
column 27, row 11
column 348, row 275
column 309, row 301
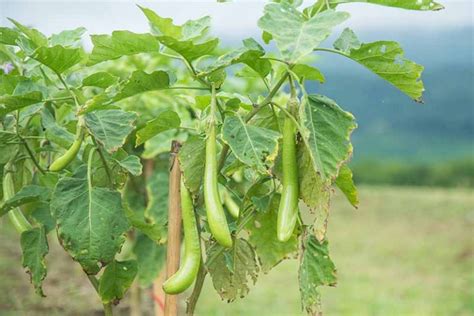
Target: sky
column 234, row 20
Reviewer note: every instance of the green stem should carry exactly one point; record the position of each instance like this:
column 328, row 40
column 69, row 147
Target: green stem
column 95, row 283
column 329, row 50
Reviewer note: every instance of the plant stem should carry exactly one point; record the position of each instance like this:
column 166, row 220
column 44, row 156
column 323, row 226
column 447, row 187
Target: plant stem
column 329, row 50
column 107, row 306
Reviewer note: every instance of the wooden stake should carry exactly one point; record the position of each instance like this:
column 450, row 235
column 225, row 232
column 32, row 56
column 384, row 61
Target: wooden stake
column 174, row 227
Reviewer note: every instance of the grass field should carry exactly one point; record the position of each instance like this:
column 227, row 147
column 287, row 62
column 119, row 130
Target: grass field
column 406, row 251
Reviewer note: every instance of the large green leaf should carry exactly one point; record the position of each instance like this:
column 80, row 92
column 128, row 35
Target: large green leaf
column 188, row 49
column 164, row 121
column 386, row 59
column 231, row 270
column 295, row 35
column 10, row 103
column 58, row 58
column 316, row 269
column 192, row 156
column 166, row 27
column 263, row 236
column 151, row 259
column 253, row 145
column 121, row 43
column 27, row 194
column 110, row 127
column 327, row 134
column 99, row 79
column 8, row 36
column 38, row 38
column 346, row 184
column 35, row 247
column 68, row 38
column 141, row 81
column 117, row 278
column 90, row 220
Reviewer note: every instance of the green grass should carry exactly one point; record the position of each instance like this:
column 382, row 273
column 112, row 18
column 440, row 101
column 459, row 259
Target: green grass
column 405, row 251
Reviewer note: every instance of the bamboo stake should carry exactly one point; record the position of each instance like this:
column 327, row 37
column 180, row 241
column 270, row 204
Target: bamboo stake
column 174, row 228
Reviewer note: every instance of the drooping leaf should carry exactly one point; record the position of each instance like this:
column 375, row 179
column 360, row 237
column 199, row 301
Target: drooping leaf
column 295, row 35
column 188, row 49
column 346, row 184
column 117, row 278
column 233, row 284
column 35, row 247
column 132, row 164
column 386, row 59
column 263, row 236
column 10, row 103
column 164, row 121
column 110, row 127
column 316, row 269
column 121, row 43
column 151, row 259
column 141, row 81
column 327, row 134
column 99, row 79
column 192, row 157
column 253, row 145
column 306, row 72
column 90, row 220
column 58, row 58
column 27, row 194
column 38, row 38
column 68, row 38
column 347, row 41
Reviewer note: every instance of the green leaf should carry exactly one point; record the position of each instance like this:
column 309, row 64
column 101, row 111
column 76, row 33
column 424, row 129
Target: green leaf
column 121, row 43
column 202, row 101
column 327, row 134
column 141, row 81
column 157, row 192
column 306, row 72
column 346, row 184
column 160, row 25
column 192, row 156
column 110, row 127
column 58, row 58
column 68, row 38
column 263, row 236
column 255, row 146
column 152, row 230
column 99, row 79
column 151, row 259
column 8, row 36
column 27, row 194
column 35, row 247
column 347, row 41
column 316, row 269
column 90, row 221
column 41, row 213
column 188, row 49
column 249, row 54
column 132, row 164
column 386, row 59
column 295, row 35
column 38, row 38
column 165, row 26
column 117, row 278
column 230, row 285
column 55, row 133
column 163, row 122
column 15, row 102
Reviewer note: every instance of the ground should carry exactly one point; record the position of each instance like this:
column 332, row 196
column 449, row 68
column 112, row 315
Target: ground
column 405, row 251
